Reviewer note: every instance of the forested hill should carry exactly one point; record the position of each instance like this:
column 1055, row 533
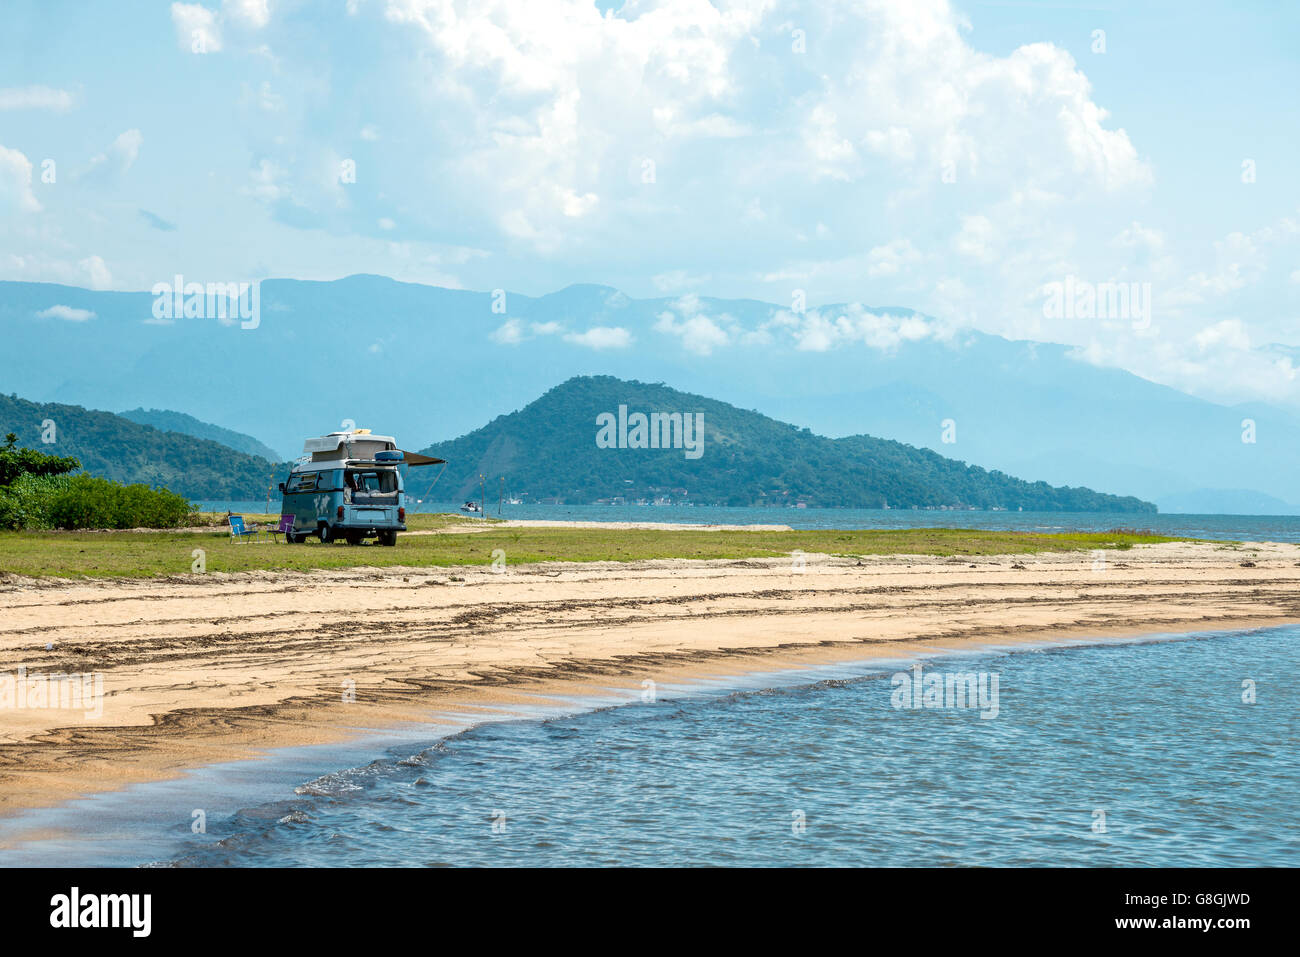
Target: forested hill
column 552, row 449
column 114, row 447
column 168, row 421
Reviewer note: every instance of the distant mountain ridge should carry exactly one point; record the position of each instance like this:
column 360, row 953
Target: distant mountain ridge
column 168, row 421
column 114, row 447
column 431, row 364
column 551, row 450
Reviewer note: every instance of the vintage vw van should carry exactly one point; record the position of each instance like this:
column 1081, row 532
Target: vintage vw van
column 348, row 485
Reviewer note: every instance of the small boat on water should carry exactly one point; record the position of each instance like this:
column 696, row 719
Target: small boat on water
column 472, row 507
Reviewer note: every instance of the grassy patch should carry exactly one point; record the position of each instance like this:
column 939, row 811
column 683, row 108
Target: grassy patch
column 145, row 554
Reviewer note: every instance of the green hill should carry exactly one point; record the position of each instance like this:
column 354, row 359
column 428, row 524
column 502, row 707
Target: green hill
column 548, row 450
column 114, row 447
column 167, row 421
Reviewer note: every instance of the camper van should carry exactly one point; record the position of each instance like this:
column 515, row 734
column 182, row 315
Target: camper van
column 348, row 486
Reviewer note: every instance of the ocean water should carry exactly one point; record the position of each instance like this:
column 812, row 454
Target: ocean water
column 1118, row 753
column 1273, row 528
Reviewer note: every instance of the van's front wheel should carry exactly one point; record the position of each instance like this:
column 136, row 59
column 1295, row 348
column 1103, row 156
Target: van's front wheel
column 326, row 533
column 387, row 538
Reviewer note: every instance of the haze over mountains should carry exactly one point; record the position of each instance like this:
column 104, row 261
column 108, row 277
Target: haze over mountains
column 428, row 364
column 166, row 421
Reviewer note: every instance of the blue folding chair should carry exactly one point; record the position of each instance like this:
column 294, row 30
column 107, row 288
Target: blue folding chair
column 237, row 530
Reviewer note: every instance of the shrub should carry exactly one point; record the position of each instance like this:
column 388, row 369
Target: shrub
column 26, row 502
column 89, row 502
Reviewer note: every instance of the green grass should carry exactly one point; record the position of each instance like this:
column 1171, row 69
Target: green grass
column 146, row 554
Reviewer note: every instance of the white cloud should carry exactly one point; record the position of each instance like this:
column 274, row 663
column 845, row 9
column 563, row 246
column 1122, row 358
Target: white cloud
column 552, row 110
column 509, row 333
column 120, row 155
column 89, row 272
column 976, row 238
column 35, row 98
column 253, row 14
column 96, row 272
column 816, row 331
column 1217, row 364
column 512, row 332
column 1238, row 261
column 832, row 154
column 198, row 29
column 699, row 333
column 1137, row 236
column 601, row 337
column 266, row 182
column 16, row 182
column 887, row 260
column 574, row 205
column 68, row 313
column 1228, row 334
column 920, row 97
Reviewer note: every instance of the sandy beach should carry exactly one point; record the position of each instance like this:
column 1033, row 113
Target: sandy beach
column 204, row 668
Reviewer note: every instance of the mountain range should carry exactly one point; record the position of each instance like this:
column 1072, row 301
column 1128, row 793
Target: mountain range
column 429, row 364
column 554, row 449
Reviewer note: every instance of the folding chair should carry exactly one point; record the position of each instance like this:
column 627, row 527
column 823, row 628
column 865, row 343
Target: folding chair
column 285, row 527
column 237, row 530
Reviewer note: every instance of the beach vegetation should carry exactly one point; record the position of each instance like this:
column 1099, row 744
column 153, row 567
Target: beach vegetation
column 129, row 554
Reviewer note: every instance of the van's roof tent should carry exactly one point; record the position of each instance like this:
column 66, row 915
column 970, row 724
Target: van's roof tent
column 355, row 445
column 332, row 442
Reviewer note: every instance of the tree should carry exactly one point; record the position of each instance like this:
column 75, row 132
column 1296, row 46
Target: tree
column 16, row 462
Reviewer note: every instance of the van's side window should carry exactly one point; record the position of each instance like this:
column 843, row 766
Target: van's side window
column 302, row 482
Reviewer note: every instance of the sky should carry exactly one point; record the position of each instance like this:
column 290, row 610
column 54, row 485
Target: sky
column 993, row 165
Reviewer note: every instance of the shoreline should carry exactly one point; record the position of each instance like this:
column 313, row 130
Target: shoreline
column 224, row 670
column 275, row 779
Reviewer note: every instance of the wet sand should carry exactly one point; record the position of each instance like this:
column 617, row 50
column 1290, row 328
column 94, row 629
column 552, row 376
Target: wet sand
column 207, row 668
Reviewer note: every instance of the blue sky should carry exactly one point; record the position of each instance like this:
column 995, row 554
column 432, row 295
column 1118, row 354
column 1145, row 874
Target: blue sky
column 954, row 158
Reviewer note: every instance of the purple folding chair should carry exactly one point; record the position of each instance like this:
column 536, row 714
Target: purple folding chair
column 285, row 527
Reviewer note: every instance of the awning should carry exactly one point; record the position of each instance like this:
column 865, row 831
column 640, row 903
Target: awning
column 415, row 458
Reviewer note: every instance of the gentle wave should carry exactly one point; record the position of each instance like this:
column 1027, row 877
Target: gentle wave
column 1119, row 753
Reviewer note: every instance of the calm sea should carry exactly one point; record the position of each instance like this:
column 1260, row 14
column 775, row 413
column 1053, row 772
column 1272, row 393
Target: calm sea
column 1161, row 751
column 1274, row 528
